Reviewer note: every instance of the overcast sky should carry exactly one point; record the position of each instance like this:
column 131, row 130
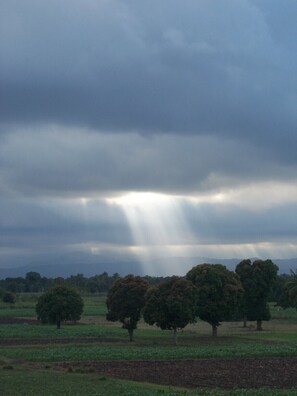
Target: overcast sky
column 150, row 128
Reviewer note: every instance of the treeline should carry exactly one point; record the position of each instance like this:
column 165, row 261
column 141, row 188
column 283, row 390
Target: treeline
column 209, row 292
column 33, row 282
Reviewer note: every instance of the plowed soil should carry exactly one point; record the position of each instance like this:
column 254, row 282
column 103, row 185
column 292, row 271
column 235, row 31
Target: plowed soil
column 211, row 373
column 13, row 320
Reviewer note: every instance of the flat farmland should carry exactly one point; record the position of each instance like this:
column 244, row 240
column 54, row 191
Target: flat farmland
column 94, row 357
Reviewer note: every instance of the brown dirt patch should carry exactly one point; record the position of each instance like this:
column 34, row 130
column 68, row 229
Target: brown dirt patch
column 14, row 320
column 51, row 341
column 222, row 373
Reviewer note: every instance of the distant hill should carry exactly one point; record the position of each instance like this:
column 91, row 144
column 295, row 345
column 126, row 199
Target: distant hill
column 90, row 265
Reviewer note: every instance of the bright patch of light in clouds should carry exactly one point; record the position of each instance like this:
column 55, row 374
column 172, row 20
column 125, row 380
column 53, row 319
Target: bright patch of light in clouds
column 156, row 222
column 160, row 227
column 259, row 196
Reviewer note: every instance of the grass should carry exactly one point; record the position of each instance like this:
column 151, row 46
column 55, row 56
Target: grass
column 25, row 305
column 229, row 348
column 67, row 331
column 100, row 329
column 278, row 336
column 278, row 340
column 288, row 315
column 15, row 311
column 29, row 382
column 95, row 305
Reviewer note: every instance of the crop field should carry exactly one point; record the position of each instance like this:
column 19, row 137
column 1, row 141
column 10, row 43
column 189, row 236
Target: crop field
column 94, row 357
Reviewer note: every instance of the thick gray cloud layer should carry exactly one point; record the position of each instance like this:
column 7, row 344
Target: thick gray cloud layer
column 55, row 161
column 193, row 98
column 194, row 67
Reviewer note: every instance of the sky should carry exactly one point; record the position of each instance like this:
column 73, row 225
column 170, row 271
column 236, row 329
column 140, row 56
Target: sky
column 148, row 128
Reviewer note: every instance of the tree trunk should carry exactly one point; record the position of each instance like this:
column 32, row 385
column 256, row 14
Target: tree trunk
column 58, row 324
column 244, row 322
column 214, row 330
column 175, row 335
column 259, row 325
column 130, row 331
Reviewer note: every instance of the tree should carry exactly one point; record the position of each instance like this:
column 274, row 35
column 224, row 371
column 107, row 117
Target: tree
column 59, row 304
column 78, row 281
column 8, row 297
column 277, row 287
column 171, row 305
column 219, row 293
column 288, row 298
column 33, row 282
column 15, row 285
column 125, row 301
column 244, row 271
column 257, row 279
column 101, row 283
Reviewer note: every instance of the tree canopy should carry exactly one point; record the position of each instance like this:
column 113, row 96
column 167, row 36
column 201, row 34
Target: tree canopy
column 288, row 298
column 219, row 293
column 257, row 279
column 125, row 301
column 8, row 297
column 59, row 304
column 171, row 305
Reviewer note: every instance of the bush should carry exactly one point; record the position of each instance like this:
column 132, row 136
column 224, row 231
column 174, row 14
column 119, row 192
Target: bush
column 8, row 297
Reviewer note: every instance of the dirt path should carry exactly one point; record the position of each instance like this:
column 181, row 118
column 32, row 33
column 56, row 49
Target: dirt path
column 14, row 320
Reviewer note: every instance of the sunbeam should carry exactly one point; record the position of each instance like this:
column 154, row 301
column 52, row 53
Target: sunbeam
column 157, row 224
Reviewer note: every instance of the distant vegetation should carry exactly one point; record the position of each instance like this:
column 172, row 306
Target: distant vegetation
column 216, row 295
column 33, row 282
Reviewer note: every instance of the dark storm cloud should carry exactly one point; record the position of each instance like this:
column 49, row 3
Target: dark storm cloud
column 99, row 98
column 222, row 68
column 51, row 223
column 233, row 224
column 55, row 161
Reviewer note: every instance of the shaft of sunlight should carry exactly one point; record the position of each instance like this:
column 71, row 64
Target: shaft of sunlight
column 156, row 222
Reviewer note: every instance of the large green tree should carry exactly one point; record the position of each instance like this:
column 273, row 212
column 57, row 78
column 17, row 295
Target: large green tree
column 257, row 279
column 245, row 272
column 171, row 305
column 219, row 293
column 59, row 304
column 125, row 300
column 33, row 282
column 288, row 298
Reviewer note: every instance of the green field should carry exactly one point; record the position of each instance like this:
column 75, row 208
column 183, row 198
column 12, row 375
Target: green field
column 26, row 302
column 231, row 349
column 28, row 349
